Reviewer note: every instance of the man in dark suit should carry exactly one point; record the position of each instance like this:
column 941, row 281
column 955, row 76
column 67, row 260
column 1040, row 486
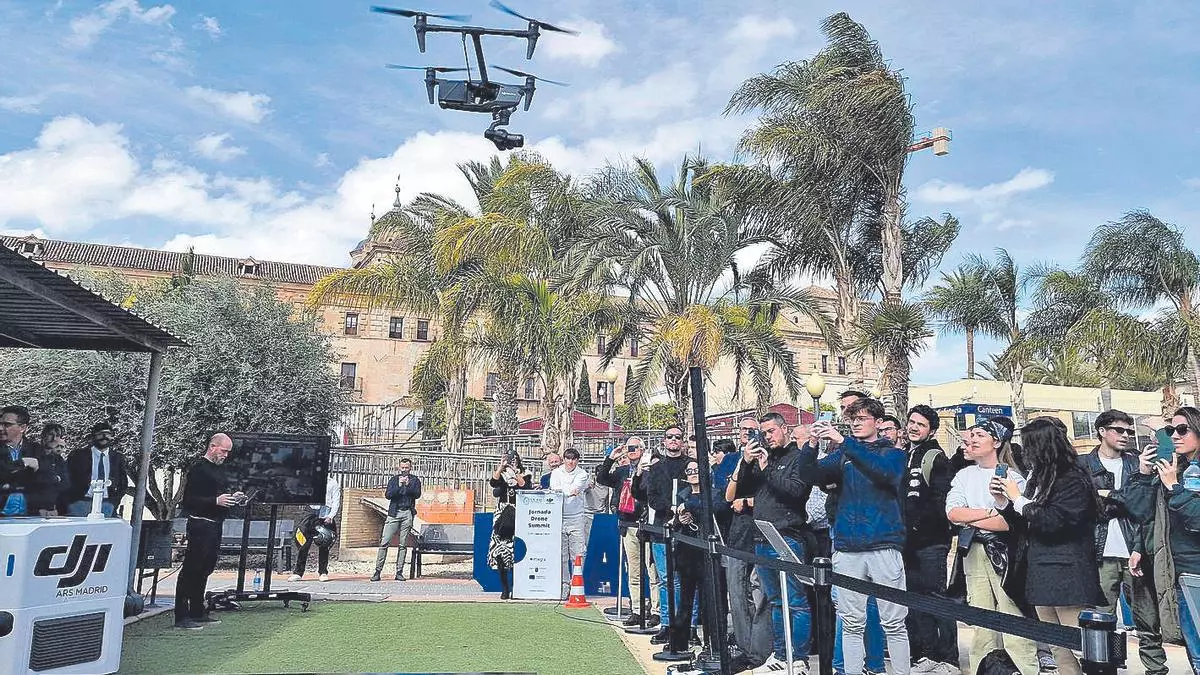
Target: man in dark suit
column 18, row 464
column 100, row 460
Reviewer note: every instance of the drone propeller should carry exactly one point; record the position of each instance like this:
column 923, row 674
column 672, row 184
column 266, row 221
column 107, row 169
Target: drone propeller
column 522, row 74
column 541, row 24
column 410, row 14
column 534, row 26
column 436, row 69
column 530, row 83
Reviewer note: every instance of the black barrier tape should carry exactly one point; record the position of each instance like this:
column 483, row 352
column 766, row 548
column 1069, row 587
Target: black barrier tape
column 1019, row 626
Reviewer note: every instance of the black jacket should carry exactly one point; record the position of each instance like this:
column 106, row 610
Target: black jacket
column 14, row 475
column 1183, row 511
column 403, row 497
column 612, row 476
column 1114, row 506
column 781, row 489
column 656, row 486
column 79, row 469
column 1058, row 536
column 51, row 484
column 925, row 502
column 507, row 494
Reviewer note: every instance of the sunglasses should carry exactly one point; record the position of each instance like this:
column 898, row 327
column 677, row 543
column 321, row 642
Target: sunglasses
column 1124, row 430
column 675, row 436
column 1181, row 429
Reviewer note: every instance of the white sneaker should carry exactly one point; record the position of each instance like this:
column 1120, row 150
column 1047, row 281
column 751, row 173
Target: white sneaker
column 295, row 577
column 774, row 665
column 324, row 577
column 944, row 669
column 923, row 665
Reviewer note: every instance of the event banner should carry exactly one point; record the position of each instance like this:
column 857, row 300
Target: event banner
column 538, row 575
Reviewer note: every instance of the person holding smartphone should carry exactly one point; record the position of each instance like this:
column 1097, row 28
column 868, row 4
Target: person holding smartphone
column 206, row 504
column 616, row 472
column 1156, row 488
column 982, row 560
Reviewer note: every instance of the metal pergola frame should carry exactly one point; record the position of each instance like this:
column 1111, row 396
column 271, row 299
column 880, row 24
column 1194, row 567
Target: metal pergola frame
column 44, row 309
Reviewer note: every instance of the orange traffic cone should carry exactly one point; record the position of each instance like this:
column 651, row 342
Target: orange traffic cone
column 576, row 599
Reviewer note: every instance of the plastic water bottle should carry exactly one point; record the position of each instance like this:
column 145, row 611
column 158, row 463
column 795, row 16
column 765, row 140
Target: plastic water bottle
column 257, row 580
column 1191, row 477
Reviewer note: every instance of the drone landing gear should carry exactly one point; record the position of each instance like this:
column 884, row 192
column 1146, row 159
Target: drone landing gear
column 501, row 137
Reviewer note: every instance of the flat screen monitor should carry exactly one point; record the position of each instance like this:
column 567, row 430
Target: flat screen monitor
column 279, row 468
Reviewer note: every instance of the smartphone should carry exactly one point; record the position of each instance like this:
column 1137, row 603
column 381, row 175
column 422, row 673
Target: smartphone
column 826, row 416
column 1166, row 446
column 1002, row 471
column 756, row 436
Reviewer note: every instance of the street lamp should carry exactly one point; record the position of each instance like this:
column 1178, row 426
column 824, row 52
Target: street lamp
column 815, row 386
column 609, row 375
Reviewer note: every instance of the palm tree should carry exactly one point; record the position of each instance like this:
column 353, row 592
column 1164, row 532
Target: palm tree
column 897, row 332
column 673, row 249
column 843, row 113
column 1143, row 261
column 411, row 280
column 1006, row 290
column 962, row 304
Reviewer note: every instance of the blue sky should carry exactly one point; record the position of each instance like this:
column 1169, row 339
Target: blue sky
column 269, row 128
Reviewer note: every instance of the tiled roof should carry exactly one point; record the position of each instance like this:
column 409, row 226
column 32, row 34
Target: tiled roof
column 154, row 260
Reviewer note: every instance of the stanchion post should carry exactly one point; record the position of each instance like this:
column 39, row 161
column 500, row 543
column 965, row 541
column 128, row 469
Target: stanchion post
column 644, row 596
column 1102, row 654
column 669, row 581
column 824, row 621
column 787, row 619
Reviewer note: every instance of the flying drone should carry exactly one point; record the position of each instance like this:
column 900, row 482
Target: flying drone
column 478, row 93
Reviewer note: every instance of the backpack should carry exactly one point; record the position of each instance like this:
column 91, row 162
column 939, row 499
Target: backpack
column 927, row 461
column 997, row 662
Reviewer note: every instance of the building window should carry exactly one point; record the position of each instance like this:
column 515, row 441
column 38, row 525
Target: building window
column 423, row 329
column 530, row 389
column 31, row 248
column 349, row 379
column 396, row 328
column 841, row 365
column 351, row 325
column 1083, row 424
column 634, row 347
column 824, row 363
column 602, row 393
column 600, row 345
column 248, row 268
column 493, row 382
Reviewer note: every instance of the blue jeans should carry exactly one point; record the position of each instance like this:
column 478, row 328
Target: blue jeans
column 659, row 551
column 873, row 640
column 1190, row 636
column 84, row 507
column 797, row 603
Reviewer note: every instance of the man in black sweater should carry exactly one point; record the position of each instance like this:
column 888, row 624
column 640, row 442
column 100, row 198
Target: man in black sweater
column 616, row 472
column 933, row 639
column 656, row 486
column 206, row 504
column 780, row 477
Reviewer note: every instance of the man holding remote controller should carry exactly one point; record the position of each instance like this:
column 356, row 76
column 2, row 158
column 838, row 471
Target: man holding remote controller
column 206, row 504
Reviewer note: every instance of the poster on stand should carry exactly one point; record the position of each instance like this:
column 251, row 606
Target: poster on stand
column 538, row 574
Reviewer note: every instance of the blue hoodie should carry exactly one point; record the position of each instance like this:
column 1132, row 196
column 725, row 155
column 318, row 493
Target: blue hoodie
column 870, row 512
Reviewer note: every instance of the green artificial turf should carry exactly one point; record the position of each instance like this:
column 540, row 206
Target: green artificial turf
column 391, row 637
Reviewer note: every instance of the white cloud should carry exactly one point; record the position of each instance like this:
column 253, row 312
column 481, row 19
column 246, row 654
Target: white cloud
column 1193, row 183
column 216, row 147
column 588, row 48
column 210, row 25
column 240, row 105
column 21, row 104
column 1026, row 180
column 745, row 45
column 322, row 161
column 614, row 101
column 86, row 29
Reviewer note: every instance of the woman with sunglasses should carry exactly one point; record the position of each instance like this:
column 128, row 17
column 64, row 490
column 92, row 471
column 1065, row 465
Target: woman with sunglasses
column 688, row 559
column 1181, row 506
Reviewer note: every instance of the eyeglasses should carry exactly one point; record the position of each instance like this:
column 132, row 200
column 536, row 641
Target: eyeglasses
column 749, row 428
column 1126, row 430
column 634, row 447
column 861, row 419
column 1180, row 429
column 675, row 436
column 691, row 472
